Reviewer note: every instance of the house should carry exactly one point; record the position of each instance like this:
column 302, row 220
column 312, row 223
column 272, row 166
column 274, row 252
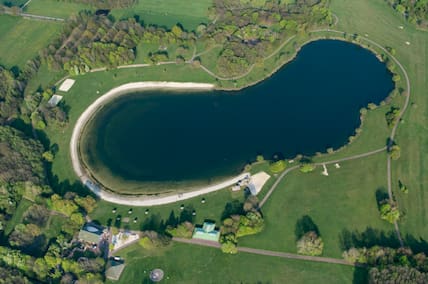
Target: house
column 206, row 232
column 91, row 233
column 114, row 269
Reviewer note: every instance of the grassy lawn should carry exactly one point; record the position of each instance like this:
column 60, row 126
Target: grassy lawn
column 213, row 208
column 168, row 12
column 381, row 23
column 22, row 39
column 17, row 216
column 345, row 200
column 184, row 263
column 55, row 8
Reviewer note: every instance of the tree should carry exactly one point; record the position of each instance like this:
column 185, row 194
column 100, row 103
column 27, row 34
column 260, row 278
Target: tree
column 24, row 235
column 395, row 152
column 88, row 203
column 229, row 243
column 310, row 244
column 397, row 274
column 389, row 212
column 48, row 156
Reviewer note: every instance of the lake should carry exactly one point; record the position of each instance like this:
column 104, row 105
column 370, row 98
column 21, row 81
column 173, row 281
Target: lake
column 184, row 138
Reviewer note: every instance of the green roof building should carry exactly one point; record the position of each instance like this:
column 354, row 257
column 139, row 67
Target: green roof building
column 207, row 232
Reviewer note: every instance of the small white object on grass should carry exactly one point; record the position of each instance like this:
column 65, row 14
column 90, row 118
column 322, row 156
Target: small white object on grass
column 400, row 27
column 66, row 85
column 337, row 166
column 408, row 43
column 325, row 172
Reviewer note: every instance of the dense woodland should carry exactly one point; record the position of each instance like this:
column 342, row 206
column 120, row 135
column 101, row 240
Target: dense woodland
column 416, row 11
column 246, row 32
column 389, row 265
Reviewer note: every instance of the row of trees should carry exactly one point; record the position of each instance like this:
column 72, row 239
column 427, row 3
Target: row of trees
column 388, row 265
column 416, row 11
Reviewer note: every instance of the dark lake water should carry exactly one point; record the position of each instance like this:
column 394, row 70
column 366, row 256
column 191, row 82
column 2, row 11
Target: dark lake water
column 309, row 105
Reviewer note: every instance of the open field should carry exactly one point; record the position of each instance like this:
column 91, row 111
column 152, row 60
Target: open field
column 168, row 13
column 21, row 39
column 54, row 8
column 16, row 219
column 345, row 200
column 213, row 209
column 381, row 23
column 184, row 263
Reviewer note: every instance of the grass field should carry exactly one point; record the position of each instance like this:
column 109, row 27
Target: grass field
column 168, row 12
column 213, row 208
column 184, row 263
column 345, row 200
column 381, row 23
column 55, row 8
column 22, row 39
column 163, row 13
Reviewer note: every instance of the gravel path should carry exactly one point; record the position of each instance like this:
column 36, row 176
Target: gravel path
column 267, row 252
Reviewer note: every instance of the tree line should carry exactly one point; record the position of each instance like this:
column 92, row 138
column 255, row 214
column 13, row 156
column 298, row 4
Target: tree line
column 415, row 11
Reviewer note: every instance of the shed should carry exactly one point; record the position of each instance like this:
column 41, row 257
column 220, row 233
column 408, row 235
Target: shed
column 206, row 232
column 114, row 269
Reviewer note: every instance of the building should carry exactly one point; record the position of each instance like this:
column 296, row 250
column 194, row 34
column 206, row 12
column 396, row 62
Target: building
column 206, row 232
column 114, row 269
column 91, row 233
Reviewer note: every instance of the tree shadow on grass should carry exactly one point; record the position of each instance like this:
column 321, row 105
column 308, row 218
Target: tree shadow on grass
column 304, row 225
column 361, row 275
column 381, row 195
column 368, row 238
column 234, row 207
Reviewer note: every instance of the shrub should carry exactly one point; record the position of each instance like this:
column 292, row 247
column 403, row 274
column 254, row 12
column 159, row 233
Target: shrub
column 310, row 244
column 278, row 166
column 395, row 152
column 389, row 212
column 306, row 168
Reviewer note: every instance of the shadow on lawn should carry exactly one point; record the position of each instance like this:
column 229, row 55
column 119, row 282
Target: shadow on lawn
column 373, row 237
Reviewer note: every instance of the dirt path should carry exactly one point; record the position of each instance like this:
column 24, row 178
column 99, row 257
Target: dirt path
column 267, row 252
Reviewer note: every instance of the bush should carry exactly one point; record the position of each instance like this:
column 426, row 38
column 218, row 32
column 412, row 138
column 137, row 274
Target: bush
column 278, row 166
column 395, row 152
column 389, row 212
column 310, row 244
column 306, row 168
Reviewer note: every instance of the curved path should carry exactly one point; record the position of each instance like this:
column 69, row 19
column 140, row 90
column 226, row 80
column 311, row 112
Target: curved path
column 354, row 157
column 141, row 200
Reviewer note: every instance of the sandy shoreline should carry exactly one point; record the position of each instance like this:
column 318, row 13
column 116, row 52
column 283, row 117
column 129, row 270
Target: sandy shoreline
column 134, row 200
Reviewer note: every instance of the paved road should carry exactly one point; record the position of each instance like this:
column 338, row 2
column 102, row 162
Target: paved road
column 267, row 252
